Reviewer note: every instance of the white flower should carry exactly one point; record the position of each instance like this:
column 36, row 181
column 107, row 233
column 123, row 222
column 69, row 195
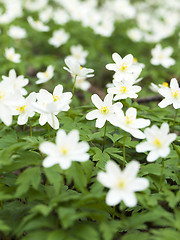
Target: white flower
column 7, row 102
column 37, row 25
column 104, row 111
column 158, row 141
column 17, row 32
column 162, row 56
column 60, row 16
column 122, row 184
column 129, row 123
column 25, row 109
column 49, row 105
column 67, row 149
column 81, row 83
column 79, row 54
column 16, row 82
column 155, row 88
column 45, row 76
column 12, row 56
column 124, row 67
column 124, row 89
column 59, row 38
column 76, row 70
column 171, row 95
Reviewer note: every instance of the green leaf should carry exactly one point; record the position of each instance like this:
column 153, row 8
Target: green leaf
column 30, row 176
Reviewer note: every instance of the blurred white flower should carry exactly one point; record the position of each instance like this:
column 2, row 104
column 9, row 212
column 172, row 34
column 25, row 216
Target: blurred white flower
column 158, row 141
column 171, row 95
column 82, row 84
column 66, row 149
column 162, row 56
column 16, row 82
column 78, row 53
column 37, row 25
column 122, row 184
column 60, row 16
column 59, row 38
column 129, row 123
column 75, row 69
column 12, row 56
column 155, row 88
column 45, row 76
column 105, row 110
column 124, row 67
column 17, row 32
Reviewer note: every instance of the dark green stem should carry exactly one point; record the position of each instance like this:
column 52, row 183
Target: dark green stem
column 49, row 136
column 74, row 85
column 162, row 173
column 104, row 136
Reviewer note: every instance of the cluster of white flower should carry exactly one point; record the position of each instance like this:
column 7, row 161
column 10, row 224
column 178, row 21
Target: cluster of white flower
column 123, row 184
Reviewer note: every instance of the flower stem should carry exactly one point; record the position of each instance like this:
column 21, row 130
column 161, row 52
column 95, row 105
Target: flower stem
column 30, row 127
column 74, row 85
column 124, row 151
column 162, row 172
column 49, row 136
column 175, row 118
column 104, row 136
column 113, row 215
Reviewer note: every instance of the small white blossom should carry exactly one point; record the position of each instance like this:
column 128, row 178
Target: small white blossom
column 155, row 88
column 129, row 123
column 124, row 67
column 67, row 149
column 122, row 184
column 12, row 56
column 105, row 110
column 82, row 84
column 45, row 76
column 124, row 89
column 17, row 32
column 59, row 38
column 75, row 69
column 49, row 105
column 162, row 56
column 16, row 82
column 25, row 109
column 171, row 95
column 79, row 54
column 37, row 25
column 158, row 141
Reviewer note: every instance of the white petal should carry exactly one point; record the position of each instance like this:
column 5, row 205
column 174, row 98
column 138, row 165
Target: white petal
column 96, row 101
column 100, row 122
column 143, row 147
column 117, row 58
column 113, row 197
column 48, row 148
column 53, row 121
column 60, row 137
column 164, row 103
column 139, row 184
column 65, row 163
column 131, row 170
column 93, row 114
column 49, row 162
column 152, row 156
column 129, row 199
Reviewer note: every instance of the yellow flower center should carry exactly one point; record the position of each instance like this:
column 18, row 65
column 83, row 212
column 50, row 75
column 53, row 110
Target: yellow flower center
column 21, row 109
column 157, row 143
column 121, row 184
column 46, row 74
column 175, row 94
column 104, row 110
column 165, row 84
column 81, row 68
column 123, row 67
column 1, row 95
column 129, row 120
column 64, row 150
column 55, row 98
column 135, row 60
column 123, row 89
column 11, row 56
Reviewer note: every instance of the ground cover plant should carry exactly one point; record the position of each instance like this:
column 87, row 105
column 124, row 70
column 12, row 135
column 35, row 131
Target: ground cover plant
column 89, row 121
